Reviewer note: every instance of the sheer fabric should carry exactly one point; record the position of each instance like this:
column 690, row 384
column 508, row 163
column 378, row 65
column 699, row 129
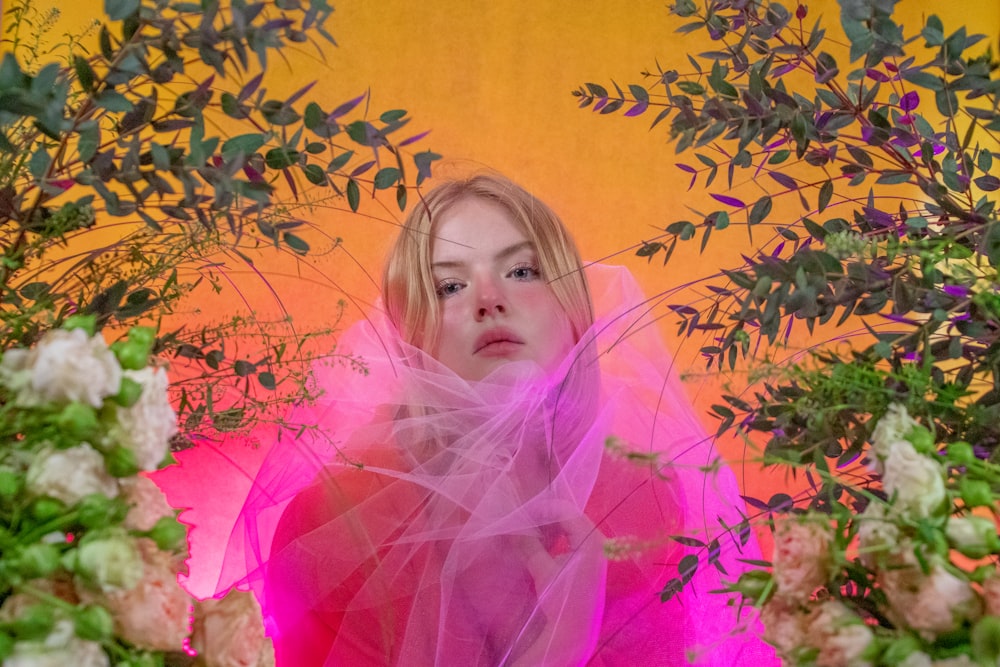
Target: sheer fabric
column 419, row 519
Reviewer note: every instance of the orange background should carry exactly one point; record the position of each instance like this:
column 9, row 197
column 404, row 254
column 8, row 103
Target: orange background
column 492, row 80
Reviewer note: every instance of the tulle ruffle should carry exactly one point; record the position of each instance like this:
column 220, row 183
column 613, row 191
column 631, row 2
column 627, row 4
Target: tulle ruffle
column 409, row 517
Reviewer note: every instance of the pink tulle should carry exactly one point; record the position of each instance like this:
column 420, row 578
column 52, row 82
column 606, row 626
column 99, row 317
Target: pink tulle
column 410, row 517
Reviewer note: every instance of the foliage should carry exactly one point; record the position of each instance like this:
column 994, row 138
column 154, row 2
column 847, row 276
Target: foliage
column 122, row 170
column 871, row 172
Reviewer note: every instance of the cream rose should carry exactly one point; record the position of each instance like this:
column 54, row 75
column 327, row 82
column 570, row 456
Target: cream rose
column 914, row 481
column 784, row 626
column 893, row 427
column 154, row 613
column 801, row 557
column 109, row 561
column 230, row 632
column 70, row 474
column 931, row 604
column 146, row 427
column 64, row 366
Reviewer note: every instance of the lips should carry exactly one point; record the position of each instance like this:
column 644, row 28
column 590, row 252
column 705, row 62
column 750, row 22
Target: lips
column 497, row 340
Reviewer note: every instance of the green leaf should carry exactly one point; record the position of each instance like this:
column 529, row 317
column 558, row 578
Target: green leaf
column 247, row 144
column 266, row 380
column 84, row 73
column 691, row 87
column 314, row 174
column 339, row 161
column 281, row 158
column 113, row 101
column 386, row 178
column 392, row 116
column 760, row 210
column 353, row 194
column 401, row 196
column 684, row 229
column 825, row 194
column 313, row 116
column 244, row 368
column 118, row 10
column 933, row 32
column 295, row 243
column 893, row 177
column 639, row 93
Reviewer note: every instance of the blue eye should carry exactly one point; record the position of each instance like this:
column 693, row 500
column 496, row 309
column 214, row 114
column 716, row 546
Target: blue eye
column 524, row 272
column 447, row 288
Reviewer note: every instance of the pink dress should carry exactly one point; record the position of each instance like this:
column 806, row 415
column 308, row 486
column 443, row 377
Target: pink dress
column 419, row 519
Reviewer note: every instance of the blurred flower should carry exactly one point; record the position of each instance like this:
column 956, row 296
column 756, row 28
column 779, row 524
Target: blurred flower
column 930, row 603
column 839, row 634
column 877, row 533
column 109, row 561
column 784, row 626
column 70, row 474
column 153, row 614
column 147, row 504
column 914, row 481
column 230, row 632
column 973, row 536
column 64, row 366
column 60, row 648
column 801, row 557
column 893, row 427
column 147, row 426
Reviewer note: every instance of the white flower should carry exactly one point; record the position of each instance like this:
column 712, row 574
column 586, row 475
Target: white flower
column 70, row 474
column 931, row 604
column 109, row 561
column 146, row 427
column 801, row 557
column 147, row 504
column 154, row 613
column 840, row 635
column 62, row 647
column 230, row 632
column 973, row 536
column 877, row 533
column 915, row 481
column 64, row 366
column 893, row 427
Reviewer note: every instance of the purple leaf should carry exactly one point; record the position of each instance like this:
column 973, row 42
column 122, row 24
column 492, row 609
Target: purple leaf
column 345, row 107
column 637, row 109
column 416, row 137
column 909, row 101
column 784, row 180
column 731, row 201
column 876, row 75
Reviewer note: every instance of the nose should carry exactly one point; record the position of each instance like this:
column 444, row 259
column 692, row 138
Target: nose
column 490, row 300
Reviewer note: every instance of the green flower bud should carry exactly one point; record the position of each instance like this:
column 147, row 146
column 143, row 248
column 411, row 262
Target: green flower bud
column 120, row 462
column 898, row 649
column 128, row 393
column 93, row 622
column 921, row 439
column 45, row 509
column 97, row 510
column 975, row 492
column 130, row 355
column 38, row 560
column 961, row 453
column 169, row 534
column 78, row 420
column 35, row 622
column 10, row 483
column 144, row 337
column 986, row 640
column 86, row 322
column 109, row 561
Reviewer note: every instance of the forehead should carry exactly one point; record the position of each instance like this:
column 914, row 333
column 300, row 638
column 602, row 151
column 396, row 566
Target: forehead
column 474, row 226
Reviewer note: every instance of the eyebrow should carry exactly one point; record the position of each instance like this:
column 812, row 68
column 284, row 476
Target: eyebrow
column 503, row 254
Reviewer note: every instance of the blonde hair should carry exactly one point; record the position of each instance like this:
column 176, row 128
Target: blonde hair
column 408, row 288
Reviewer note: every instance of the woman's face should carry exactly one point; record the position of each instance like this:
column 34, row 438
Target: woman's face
column 495, row 305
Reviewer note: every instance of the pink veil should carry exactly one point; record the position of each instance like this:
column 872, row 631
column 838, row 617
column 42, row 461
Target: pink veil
column 410, row 517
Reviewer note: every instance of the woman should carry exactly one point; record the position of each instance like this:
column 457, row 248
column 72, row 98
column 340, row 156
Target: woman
column 503, row 485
